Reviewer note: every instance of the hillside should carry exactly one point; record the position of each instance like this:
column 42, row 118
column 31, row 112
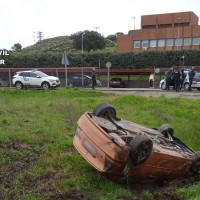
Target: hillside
column 64, row 43
column 57, row 44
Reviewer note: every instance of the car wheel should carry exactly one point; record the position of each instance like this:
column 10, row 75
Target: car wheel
column 140, row 149
column 186, row 86
column 90, row 85
column 70, row 85
column 198, row 89
column 166, row 130
column 163, row 86
column 19, row 85
column 45, row 86
column 105, row 110
column 195, row 168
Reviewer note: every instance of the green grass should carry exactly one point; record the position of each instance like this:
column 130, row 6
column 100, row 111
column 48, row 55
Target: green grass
column 37, row 157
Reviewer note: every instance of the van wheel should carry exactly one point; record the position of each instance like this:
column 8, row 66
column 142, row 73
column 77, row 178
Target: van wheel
column 186, row 86
column 140, row 149
column 166, row 130
column 105, row 110
column 195, row 168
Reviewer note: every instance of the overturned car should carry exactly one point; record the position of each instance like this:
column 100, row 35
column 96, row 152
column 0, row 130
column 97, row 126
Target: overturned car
column 121, row 148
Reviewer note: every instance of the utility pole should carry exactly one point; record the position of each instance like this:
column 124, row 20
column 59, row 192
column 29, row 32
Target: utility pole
column 96, row 28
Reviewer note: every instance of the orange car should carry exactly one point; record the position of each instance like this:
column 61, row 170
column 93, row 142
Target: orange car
column 121, row 148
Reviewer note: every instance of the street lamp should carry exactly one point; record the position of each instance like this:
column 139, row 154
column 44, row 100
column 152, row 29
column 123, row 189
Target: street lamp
column 134, row 22
column 178, row 41
column 132, row 33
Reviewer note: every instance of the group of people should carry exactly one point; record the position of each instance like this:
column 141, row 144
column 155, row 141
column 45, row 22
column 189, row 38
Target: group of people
column 177, row 77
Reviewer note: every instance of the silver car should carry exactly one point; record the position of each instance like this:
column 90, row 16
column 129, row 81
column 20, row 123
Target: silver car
column 195, row 83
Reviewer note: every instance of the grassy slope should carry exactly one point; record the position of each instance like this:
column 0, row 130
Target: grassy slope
column 37, row 157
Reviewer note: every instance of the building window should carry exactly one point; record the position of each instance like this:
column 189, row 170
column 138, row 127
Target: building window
column 145, row 43
column 178, row 42
column 153, row 43
column 170, row 42
column 137, row 44
column 161, row 43
column 187, row 41
column 196, row 41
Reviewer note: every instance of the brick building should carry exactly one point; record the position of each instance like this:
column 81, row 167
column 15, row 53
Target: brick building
column 171, row 31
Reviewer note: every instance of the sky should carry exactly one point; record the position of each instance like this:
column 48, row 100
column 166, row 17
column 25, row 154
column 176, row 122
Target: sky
column 21, row 20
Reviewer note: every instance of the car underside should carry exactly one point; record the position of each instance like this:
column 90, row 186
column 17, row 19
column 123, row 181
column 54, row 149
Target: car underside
column 121, row 148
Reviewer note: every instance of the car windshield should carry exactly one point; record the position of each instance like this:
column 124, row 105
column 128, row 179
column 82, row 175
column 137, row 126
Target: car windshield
column 41, row 74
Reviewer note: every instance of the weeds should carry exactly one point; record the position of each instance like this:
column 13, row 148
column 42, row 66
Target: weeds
column 37, row 157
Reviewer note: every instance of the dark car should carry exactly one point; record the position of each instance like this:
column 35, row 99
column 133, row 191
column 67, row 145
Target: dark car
column 79, row 80
column 117, row 83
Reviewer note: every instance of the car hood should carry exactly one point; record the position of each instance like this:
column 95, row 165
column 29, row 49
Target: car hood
column 53, row 78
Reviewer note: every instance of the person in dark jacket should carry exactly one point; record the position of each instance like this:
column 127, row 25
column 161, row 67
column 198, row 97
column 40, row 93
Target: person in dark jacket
column 94, row 80
column 191, row 75
column 168, row 78
column 182, row 78
column 176, row 76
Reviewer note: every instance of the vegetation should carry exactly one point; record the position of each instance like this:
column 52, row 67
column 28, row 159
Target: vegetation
column 38, row 160
column 87, row 48
column 88, row 40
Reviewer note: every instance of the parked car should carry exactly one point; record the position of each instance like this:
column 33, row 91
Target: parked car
column 35, row 78
column 195, row 83
column 120, row 148
column 76, row 81
column 117, row 83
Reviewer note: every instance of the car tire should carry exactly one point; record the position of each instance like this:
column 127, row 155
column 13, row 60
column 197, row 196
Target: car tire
column 105, row 110
column 19, row 85
column 198, row 89
column 70, row 85
column 166, row 129
column 45, row 86
column 186, row 86
column 140, row 149
column 195, row 167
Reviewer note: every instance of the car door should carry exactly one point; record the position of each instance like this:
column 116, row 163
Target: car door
column 25, row 78
column 35, row 79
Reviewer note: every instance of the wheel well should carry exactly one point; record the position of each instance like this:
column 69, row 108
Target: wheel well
column 18, row 82
column 45, row 82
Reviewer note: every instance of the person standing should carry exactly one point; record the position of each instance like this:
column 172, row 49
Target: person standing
column 182, row 78
column 94, row 80
column 176, row 76
column 191, row 75
column 168, row 79
column 151, row 80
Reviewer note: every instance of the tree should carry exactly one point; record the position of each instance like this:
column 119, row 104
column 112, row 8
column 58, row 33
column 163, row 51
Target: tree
column 88, row 40
column 16, row 47
column 112, row 37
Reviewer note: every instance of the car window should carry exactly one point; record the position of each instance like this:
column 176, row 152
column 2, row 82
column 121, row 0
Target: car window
column 197, row 76
column 41, row 74
column 33, row 74
column 26, row 74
